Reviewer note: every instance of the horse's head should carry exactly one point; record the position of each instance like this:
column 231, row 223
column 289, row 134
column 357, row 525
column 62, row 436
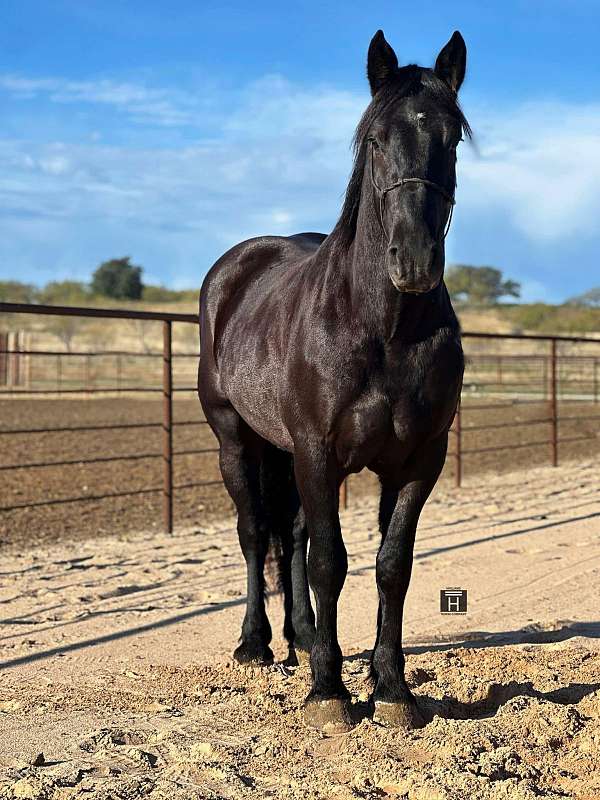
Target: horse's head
column 410, row 134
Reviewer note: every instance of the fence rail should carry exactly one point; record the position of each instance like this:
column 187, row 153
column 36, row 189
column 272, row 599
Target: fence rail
column 498, row 379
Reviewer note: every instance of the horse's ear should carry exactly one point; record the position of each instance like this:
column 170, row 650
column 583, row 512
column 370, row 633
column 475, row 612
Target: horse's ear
column 382, row 63
column 451, row 63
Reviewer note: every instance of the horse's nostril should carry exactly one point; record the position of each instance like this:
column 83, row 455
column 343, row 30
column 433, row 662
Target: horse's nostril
column 393, row 253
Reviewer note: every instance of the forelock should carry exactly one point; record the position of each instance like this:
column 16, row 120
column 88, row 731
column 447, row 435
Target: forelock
column 410, row 81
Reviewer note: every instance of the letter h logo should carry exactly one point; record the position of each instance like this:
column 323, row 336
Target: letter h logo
column 453, row 601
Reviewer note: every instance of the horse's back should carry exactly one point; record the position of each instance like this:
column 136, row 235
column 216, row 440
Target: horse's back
column 310, row 241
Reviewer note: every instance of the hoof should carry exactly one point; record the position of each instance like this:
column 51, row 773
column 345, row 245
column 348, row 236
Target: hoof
column 249, row 653
column 398, row 715
column 329, row 716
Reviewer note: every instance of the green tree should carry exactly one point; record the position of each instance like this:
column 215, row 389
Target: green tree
column 17, row 292
column 479, row 285
column 118, row 279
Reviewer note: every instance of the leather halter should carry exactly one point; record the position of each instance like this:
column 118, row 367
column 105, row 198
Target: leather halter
column 449, row 198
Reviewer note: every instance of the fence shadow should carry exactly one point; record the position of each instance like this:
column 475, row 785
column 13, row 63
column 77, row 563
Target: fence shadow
column 117, row 635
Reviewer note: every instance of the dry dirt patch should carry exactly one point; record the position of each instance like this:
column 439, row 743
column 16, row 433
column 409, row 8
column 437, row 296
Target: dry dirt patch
column 230, row 732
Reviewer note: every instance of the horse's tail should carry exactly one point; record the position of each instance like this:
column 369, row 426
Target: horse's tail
column 280, row 501
column 274, row 566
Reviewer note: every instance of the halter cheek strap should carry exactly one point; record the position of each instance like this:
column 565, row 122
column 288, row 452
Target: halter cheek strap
column 382, row 192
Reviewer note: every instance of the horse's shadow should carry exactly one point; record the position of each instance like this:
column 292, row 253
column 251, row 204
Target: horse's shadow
column 498, row 693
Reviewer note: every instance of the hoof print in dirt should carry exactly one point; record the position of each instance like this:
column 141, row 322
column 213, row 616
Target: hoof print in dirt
column 398, row 715
column 328, row 716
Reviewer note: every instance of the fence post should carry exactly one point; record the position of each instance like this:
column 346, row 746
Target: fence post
column 554, row 405
column 17, row 359
column 458, row 451
column 167, row 429
column 3, row 359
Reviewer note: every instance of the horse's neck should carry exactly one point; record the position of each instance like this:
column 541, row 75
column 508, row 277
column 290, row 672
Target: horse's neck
column 375, row 303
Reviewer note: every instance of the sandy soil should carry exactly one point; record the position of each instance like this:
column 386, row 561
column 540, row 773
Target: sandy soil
column 116, row 661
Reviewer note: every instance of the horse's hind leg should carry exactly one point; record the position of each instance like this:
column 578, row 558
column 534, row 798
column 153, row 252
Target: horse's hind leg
column 288, row 528
column 299, row 624
column 399, row 514
column 302, row 617
column 241, row 453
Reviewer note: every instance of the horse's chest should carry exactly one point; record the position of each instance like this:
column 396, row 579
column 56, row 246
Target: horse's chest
column 362, row 429
column 384, row 425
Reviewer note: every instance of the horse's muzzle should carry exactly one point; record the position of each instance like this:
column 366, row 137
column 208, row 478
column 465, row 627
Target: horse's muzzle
column 412, row 287
column 415, row 274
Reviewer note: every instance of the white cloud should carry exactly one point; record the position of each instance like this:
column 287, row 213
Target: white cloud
column 54, row 165
column 276, row 165
column 540, row 164
column 277, row 161
column 167, row 107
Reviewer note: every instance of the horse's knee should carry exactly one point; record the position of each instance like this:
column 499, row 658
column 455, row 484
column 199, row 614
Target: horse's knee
column 328, row 566
column 388, row 571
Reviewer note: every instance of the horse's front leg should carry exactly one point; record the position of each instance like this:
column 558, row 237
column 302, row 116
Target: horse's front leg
column 326, row 704
column 399, row 514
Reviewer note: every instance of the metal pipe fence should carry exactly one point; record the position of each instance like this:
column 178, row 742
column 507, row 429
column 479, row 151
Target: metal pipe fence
column 555, row 372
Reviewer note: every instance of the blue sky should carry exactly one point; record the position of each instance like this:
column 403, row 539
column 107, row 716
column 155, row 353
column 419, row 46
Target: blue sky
column 169, row 132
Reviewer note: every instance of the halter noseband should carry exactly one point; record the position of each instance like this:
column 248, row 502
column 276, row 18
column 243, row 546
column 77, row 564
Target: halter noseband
column 402, row 182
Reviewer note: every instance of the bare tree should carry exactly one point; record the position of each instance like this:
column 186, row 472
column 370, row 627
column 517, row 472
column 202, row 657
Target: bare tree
column 65, row 329
column 144, row 329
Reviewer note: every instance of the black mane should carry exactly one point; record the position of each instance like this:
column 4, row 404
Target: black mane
column 409, row 81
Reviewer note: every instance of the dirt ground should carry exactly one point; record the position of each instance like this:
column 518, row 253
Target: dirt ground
column 117, row 680
column 504, row 449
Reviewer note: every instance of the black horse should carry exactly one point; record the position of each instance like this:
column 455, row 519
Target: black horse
column 322, row 355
